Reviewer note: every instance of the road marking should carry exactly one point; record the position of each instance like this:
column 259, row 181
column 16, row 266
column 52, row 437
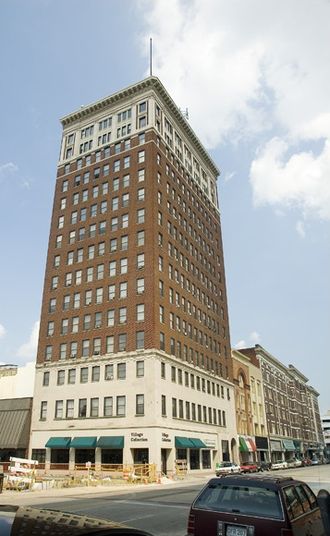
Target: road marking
column 157, row 504
column 136, row 518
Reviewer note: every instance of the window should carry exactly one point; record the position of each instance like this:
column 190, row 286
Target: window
column 122, row 342
column 72, row 376
column 45, row 379
column 112, row 268
column 114, row 224
column 139, row 340
column 84, row 375
column 163, row 405
column 100, row 271
column 94, row 407
column 73, row 349
column 127, row 162
column 108, row 406
column 111, row 292
column 75, row 324
column 108, row 372
column 123, row 290
column 82, row 407
column 141, row 194
column 125, row 200
column 141, row 156
column 123, row 266
column 59, row 409
column 85, row 348
column 64, row 326
column 69, row 412
column 111, row 317
column 54, row 283
column 139, row 369
column 50, row 328
column 113, row 245
column 60, row 377
column 140, row 215
column 141, row 175
column 124, row 221
column 110, row 344
column 121, row 371
column 139, row 405
column 96, row 373
column 124, row 243
column 87, row 321
column 126, row 181
column 43, row 410
column 140, row 238
column 122, row 315
column 121, row 406
column 140, row 285
column 140, row 312
column 57, row 261
column 174, row 407
column 162, row 341
column 140, row 261
column 63, row 348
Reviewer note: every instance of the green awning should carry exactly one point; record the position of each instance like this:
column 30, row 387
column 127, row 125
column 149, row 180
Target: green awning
column 83, row 442
column 58, row 443
column 183, row 443
column 112, row 442
column 288, row 444
column 197, row 443
column 242, row 445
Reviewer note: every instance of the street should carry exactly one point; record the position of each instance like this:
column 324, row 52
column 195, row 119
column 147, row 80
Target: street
column 161, row 510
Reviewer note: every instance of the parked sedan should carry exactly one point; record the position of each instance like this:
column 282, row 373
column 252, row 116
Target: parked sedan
column 279, row 465
column 226, row 468
column 238, row 505
column 249, row 467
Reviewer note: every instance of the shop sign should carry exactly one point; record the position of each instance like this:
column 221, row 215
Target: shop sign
column 209, row 443
column 166, row 438
column 138, row 436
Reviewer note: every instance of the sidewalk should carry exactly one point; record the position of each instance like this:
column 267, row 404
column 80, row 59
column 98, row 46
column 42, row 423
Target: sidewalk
column 60, row 494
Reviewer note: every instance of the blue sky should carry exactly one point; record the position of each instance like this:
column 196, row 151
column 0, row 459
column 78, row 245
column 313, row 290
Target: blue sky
column 255, row 77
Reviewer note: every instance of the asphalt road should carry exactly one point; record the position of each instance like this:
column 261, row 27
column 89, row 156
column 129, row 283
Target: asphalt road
column 161, row 510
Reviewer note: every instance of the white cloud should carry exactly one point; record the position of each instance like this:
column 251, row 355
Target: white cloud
column 253, row 338
column 300, row 228
column 245, row 68
column 2, row 331
column 28, row 350
column 7, row 170
column 240, row 344
column 301, row 180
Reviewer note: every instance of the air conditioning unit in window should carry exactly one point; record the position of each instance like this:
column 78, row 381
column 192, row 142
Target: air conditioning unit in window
column 89, row 302
column 96, row 353
column 73, row 355
column 109, row 377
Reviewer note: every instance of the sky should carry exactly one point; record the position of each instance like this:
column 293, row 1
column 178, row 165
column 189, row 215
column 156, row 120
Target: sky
column 255, row 77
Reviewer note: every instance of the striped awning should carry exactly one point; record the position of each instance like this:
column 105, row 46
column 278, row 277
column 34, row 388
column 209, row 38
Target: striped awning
column 247, row 444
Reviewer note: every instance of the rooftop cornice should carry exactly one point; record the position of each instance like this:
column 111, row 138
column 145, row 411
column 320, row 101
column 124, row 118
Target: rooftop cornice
column 152, row 82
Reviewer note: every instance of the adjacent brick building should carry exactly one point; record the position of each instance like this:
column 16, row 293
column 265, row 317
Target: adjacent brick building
column 134, row 356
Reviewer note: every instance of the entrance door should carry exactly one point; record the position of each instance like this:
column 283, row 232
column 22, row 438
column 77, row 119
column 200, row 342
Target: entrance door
column 164, row 460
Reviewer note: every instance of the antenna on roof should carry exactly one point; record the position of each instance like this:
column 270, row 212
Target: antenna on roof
column 150, row 56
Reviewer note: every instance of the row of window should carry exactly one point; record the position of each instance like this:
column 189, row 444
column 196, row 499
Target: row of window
column 97, row 272
column 94, row 347
column 88, row 297
column 114, row 245
column 95, row 209
column 195, row 412
column 93, row 373
column 114, row 317
column 195, row 382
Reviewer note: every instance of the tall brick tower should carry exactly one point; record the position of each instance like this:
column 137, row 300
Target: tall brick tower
column 134, row 351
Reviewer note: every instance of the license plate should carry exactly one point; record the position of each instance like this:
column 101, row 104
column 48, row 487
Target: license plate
column 232, row 530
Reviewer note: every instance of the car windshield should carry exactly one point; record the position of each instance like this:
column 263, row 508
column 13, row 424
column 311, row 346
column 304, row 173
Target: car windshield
column 251, row 500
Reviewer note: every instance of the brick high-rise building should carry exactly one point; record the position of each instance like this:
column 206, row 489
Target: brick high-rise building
column 134, row 358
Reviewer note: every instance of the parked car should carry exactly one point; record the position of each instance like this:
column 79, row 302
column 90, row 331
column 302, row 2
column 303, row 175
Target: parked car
column 279, row 465
column 244, row 505
column 293, row 462
column 263, row 466
column 226, row 468
column 306, row 462
column 249, row 467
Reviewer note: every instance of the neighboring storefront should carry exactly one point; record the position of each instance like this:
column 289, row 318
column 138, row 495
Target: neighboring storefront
column 247, row 448
column 15, row 419
column 262, row 447
column 276, row 449
column 289, row 449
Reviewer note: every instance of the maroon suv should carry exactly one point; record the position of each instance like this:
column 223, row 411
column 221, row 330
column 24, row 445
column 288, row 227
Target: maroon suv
column 244, row 505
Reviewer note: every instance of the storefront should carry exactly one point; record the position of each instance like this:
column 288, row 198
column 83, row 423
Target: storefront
column 247, row 448
column 111, row 449
column 262, row 449
column 289, row 449
column 60, row 449
column 276, row 450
